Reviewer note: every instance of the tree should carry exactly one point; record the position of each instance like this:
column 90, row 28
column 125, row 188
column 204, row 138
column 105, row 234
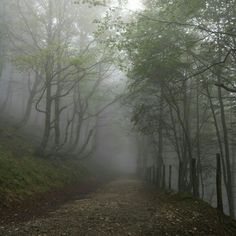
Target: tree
column 64, row 67
column 174, row 50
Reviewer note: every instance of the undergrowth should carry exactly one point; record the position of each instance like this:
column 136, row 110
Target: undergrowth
column 23, row 175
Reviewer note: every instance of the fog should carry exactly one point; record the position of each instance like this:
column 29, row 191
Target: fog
column 79, row 113
column 131, row 87
column 116, row 143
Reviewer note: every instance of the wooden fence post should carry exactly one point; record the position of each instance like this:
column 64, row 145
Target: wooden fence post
column 154, row 175
column 218, row 184
column 151, row 171
column 170, row 176
column 180, row 177
column 150, row 175
column 146, row 174
column 164, row 177
column 158, row 177
column 194, row 178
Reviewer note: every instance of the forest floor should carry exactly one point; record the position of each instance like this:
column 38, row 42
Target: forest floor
column 126, row 207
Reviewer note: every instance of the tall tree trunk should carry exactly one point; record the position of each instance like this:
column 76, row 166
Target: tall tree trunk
column 227, row 153
column 30, row 101
column 48, row 78
column 224, row 124
column 159, row 159
column 2, row 35
column 57, row 114
column 187, row 136
column 6, row 101
column 47, row 121
column 198, row 164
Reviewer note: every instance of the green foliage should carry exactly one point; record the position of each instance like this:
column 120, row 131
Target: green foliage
column 92, row 2
column 174, row 51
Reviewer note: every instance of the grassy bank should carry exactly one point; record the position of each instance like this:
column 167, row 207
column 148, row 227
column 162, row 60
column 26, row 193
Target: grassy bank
column 22, row 175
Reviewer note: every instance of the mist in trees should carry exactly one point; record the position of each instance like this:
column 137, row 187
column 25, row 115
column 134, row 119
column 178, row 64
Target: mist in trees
column 151, row 90
column 179, row 57
column 57, row 78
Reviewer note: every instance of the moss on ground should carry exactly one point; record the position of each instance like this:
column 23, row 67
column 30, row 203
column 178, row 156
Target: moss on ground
column 23, row 175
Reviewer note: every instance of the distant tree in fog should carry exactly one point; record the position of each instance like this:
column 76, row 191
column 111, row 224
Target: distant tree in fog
column 180, row 62
column 64, row 66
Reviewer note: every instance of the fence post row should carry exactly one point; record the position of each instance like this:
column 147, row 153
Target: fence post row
column 153, row 175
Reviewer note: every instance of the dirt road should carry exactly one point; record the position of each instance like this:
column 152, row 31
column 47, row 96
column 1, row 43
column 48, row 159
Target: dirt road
column 125, row 207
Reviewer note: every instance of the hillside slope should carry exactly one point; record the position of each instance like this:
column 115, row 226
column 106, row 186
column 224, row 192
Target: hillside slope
column 23, row 175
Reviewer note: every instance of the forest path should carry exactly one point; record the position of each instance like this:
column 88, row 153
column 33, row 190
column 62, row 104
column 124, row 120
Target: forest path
column 123, row 207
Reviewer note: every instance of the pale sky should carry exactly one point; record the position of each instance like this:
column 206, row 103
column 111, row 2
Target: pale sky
column 134, row 5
